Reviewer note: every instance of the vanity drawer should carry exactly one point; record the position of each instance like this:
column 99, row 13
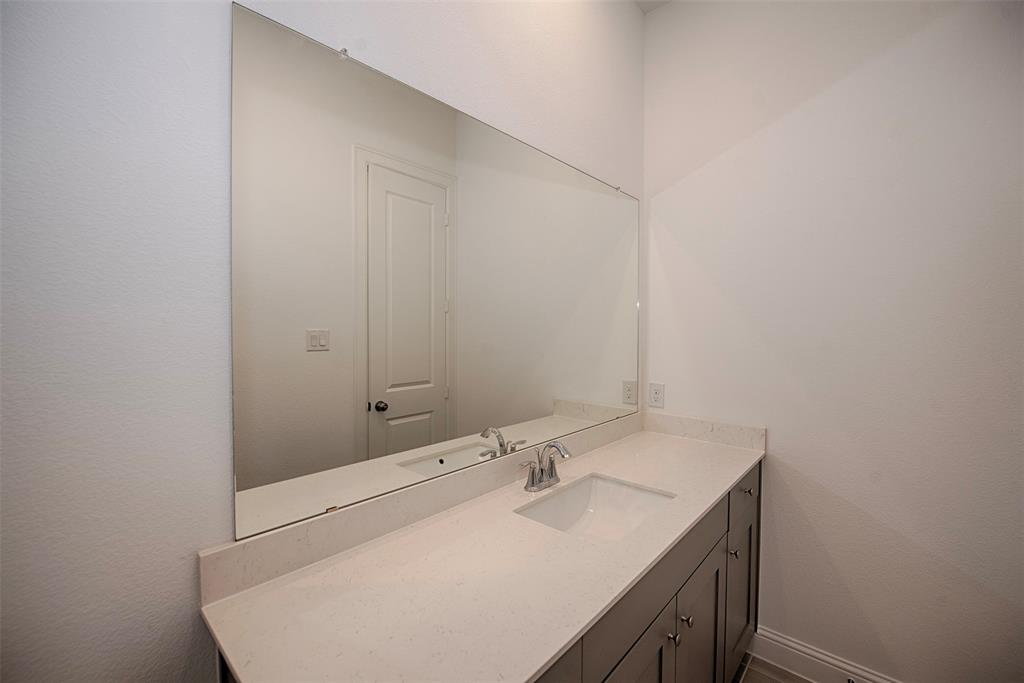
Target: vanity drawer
column 743, row 496
column 616, row 632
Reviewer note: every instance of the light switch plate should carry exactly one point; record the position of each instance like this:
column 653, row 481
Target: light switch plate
column 629, row 392
column 318, row 340
column 656, row 395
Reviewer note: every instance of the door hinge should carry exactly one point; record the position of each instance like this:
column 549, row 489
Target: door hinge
column 447, row 218
column 446, row 393
column 446, row 305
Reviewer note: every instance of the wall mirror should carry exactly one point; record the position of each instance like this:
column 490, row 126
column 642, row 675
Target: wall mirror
column 405, row 277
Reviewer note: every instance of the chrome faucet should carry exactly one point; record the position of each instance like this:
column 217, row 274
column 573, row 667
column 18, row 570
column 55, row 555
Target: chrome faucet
column 556, row 446
column 504, row 448
column 544, row 473
column 494, row 431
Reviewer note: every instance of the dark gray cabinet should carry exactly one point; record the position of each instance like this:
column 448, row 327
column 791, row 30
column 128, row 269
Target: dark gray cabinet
column 742, row 571
column 700, row 609
column 610, row 638
column 686, row 642
column 568, row 668
column 690, row 618
column 653, row 658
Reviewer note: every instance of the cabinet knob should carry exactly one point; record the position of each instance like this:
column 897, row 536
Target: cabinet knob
column 674, row 637
column 734, row 553
column 749, row 491
column 687, row 620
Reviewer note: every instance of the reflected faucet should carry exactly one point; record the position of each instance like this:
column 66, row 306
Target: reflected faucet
column 494, row 431
column 504, row 448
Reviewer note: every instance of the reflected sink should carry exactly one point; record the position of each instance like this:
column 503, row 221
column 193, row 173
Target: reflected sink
column 597, row 507
column 442, row 461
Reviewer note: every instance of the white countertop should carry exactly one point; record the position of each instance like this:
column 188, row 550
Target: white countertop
column 475, row 593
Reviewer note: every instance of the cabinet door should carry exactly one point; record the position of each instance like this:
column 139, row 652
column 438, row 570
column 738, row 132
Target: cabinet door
column 741, row 598
column 700, row 606
column 611, row 637
column 653, row 658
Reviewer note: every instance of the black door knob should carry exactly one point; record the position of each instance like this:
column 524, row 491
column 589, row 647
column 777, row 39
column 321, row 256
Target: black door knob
column 380, row 406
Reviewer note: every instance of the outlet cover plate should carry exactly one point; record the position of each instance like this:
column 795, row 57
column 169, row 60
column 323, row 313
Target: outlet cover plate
column 629, row 389
column 656, row 395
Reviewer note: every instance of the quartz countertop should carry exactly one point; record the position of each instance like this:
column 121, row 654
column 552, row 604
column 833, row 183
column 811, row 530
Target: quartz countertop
column 475, row 593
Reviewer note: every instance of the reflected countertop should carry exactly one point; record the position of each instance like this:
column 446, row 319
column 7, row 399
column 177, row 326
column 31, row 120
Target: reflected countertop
column 475, row 593
column 272, row 505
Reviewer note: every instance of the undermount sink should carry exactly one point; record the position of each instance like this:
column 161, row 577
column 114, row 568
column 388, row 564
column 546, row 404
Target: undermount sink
column 597, row 506
column 441, row 462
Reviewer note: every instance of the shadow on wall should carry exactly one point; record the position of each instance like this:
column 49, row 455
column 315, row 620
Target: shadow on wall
column 877, row 555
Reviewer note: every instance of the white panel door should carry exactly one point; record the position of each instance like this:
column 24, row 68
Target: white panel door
column 407, row 240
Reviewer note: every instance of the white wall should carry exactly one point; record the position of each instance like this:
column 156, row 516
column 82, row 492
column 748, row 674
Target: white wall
column 836, row 252
column 116, row 386
column 116, row 395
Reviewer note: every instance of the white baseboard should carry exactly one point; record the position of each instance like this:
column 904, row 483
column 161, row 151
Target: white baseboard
column 811, row 662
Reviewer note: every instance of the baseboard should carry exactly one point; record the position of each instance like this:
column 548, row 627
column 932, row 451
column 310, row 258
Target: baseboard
column 810, row 662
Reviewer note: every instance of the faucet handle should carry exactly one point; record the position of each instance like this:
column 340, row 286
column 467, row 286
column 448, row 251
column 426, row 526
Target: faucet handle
column 514, row 446
column 550, row 472
column 532, row 476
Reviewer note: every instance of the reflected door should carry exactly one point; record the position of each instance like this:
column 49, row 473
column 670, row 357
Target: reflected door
column 407, row 218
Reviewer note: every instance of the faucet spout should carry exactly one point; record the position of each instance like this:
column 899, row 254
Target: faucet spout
column 494, row 431
column 556, row 446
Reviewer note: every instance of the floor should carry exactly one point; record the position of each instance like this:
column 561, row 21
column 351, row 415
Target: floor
column 759, row 671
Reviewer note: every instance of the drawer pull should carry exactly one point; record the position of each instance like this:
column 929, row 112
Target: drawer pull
column 749, row 491
column 674, row 637
column 687, row 620
column 735, row 553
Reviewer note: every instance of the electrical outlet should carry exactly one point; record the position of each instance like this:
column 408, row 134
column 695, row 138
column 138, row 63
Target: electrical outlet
column 629, row 392
column 656, row 395
column 318, row 340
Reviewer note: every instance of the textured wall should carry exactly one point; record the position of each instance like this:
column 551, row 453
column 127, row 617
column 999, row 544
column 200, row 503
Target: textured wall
column 116, row 390
column 836, row 252
column 116, row 385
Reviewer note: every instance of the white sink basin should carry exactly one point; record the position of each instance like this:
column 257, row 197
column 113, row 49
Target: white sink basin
column 443, row 461
column 597, row 506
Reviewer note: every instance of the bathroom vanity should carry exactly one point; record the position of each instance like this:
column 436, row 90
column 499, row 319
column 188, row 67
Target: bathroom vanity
column 484, row 591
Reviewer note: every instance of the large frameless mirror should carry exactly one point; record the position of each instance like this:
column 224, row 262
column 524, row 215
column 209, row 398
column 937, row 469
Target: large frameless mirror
column 413, row 291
